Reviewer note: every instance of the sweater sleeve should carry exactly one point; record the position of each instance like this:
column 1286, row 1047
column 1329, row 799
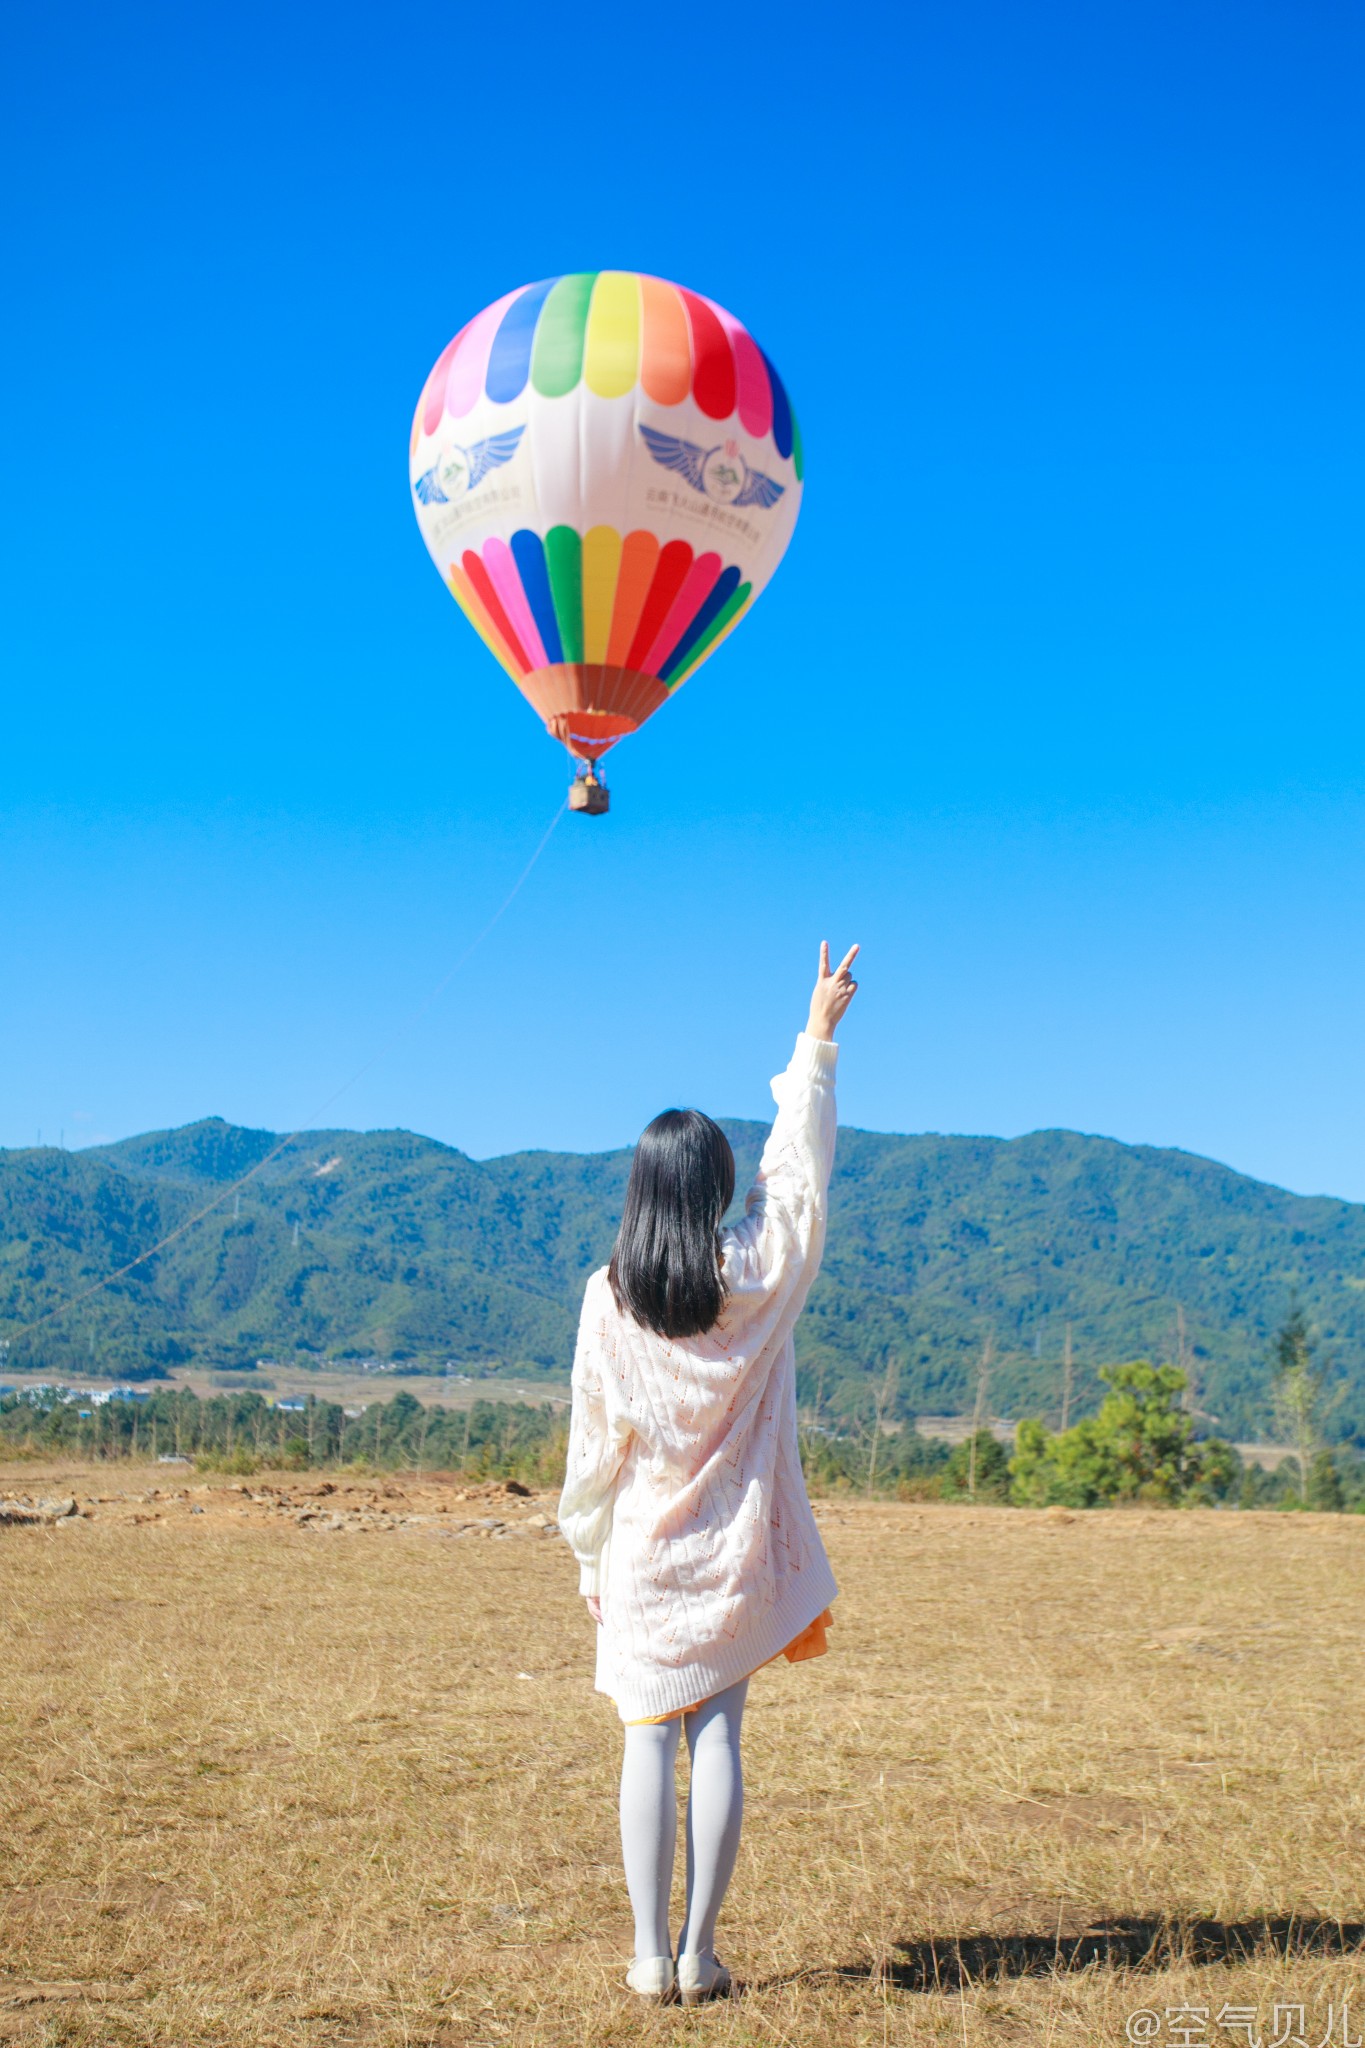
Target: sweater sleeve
column 597, row 1449
column 782, row 1236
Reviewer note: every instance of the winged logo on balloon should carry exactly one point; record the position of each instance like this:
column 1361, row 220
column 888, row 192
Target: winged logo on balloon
column 460, row 469
column 720, row 472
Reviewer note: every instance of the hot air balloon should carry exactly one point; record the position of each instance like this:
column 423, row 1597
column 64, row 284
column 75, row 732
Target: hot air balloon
column 606, row 471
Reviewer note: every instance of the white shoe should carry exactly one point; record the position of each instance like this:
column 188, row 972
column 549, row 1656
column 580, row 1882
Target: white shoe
column 652, row 1977
column 702, row 1977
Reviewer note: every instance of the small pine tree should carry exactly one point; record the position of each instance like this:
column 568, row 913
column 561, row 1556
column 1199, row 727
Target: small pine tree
column 1325, row 1492
column 1033, row 1470
column 979, row 1469
column 1296, row 1389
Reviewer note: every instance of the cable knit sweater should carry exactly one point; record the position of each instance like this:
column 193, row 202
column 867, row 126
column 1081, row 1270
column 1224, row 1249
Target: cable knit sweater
column 684, row 1500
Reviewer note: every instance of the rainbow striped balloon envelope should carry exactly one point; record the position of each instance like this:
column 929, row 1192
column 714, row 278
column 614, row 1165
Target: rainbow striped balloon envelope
column 606, row 471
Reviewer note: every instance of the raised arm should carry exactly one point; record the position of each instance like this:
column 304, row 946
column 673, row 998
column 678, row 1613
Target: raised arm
column 778, row 1245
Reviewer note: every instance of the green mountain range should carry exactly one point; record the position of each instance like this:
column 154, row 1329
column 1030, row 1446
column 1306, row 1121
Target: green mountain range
column 387, row 1245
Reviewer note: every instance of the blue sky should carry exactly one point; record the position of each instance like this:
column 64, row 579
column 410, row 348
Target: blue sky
column 1055, row 704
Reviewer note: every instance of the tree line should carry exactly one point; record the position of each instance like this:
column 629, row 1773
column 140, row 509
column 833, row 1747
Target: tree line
column 243, row 1432
column 1140, row 1447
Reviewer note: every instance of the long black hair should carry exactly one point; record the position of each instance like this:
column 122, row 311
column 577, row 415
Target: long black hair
column 665, row 1265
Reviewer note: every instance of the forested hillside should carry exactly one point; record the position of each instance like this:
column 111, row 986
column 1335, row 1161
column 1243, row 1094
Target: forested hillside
column 390, row 1245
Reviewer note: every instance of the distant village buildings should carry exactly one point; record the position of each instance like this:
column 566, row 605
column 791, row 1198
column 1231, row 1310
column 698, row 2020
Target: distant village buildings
column 98, row 1397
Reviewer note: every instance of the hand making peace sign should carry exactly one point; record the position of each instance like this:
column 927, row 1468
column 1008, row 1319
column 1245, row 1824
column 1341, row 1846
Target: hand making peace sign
column 832, row 994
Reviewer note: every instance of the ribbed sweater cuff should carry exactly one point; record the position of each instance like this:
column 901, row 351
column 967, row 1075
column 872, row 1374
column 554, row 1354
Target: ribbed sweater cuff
column 590, row 1577
column 818, row 1056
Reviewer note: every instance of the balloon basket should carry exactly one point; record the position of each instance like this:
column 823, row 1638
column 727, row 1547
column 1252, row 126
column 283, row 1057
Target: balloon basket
column 587, row 793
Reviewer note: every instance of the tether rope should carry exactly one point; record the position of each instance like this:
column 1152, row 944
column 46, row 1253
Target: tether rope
column 310, row 1123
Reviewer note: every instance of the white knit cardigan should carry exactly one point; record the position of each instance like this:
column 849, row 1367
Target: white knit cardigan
column 683, row 1500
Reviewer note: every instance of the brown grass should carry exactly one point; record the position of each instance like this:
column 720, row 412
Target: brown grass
column 267, row 1784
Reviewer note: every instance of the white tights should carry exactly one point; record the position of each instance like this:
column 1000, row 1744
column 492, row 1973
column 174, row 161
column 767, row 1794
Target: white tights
column 649, row 1822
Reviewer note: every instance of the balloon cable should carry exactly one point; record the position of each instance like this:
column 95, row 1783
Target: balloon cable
column 413, row 1018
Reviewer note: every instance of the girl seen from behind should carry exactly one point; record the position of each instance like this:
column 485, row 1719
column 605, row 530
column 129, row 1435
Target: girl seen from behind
column 683, row 1500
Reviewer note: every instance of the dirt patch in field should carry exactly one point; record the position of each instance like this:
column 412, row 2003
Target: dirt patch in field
column 327, row 1506
column 1080, row 1815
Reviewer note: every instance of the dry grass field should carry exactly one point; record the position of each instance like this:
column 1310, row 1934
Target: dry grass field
column 289, row 1773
